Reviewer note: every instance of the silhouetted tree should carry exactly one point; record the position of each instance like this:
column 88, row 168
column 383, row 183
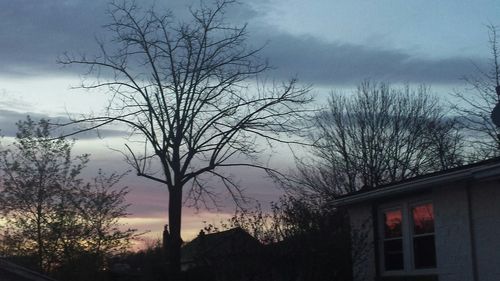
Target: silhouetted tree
column 97, row 206
column 50, row 212
column 305, row 240
column 183, row 89
column 476, row 103
column 263, row 226
column 35, row 170
column 316, row 239
column 380, row 134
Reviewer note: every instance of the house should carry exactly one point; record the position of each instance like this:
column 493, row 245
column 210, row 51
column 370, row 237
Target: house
column 13, row 272
column 442, row 226
column 226, row 255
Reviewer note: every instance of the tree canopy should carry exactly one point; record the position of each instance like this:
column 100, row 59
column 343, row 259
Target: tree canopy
column 67, row 225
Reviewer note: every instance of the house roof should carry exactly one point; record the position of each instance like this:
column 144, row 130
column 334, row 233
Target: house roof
column 12, row 272
column 478, row 171
column 224, row 243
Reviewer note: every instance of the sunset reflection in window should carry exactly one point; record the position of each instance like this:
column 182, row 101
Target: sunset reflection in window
column 423, row 219
column 393, row 221
column 393, row 240
column 424, row 249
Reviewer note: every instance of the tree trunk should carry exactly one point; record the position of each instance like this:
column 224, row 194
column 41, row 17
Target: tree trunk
column 39, row 239
column 40, row 244
column 174, row 250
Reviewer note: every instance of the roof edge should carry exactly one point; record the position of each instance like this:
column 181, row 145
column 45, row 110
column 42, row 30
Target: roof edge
column 487, row 171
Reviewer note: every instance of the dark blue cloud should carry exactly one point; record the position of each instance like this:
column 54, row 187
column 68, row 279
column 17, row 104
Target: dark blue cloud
column 35, row 33
column 320, row 62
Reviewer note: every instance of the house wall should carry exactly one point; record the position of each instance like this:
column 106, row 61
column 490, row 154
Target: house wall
column 453, row 231
column 362, row 242
column 467, row 233
column 453, row 240
column 485, row 199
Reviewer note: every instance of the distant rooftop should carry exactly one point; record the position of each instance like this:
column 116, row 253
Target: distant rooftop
column 224, row 243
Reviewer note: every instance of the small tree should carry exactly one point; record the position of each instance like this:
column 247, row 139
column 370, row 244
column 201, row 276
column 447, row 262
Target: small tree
column 35, row 169
column 476, row 103
column 183, row 88
column 51, row 213
column 101, row 206
column 96, row 208
column 379, row 135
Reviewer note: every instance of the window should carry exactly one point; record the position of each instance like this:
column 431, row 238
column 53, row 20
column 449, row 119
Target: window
column 407, row 237
column 393, row 240
column 424, row 250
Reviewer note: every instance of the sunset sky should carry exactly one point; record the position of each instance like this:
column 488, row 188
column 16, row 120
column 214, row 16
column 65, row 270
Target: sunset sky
column 331, row 44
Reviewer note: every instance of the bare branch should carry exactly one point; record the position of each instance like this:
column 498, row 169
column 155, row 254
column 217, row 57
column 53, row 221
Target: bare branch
column 186, row 89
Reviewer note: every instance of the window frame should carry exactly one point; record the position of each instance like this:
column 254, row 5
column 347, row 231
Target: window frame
column 412, row 235
column 407, row 235
column 382, row 239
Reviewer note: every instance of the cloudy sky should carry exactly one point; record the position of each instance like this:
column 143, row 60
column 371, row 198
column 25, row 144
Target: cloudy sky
column 331, row 44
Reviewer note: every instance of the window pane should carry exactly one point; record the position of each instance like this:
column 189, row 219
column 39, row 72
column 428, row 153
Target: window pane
column 424, row 252
column 392, row 223
column 393, row 254
column 423, row 219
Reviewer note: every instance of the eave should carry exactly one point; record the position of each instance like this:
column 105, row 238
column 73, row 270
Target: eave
column 486, row 170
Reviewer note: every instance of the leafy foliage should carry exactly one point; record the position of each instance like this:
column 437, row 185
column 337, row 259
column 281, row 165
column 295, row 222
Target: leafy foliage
column 51, row 214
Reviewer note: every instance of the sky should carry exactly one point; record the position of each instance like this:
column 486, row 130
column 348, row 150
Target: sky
column 329, row 44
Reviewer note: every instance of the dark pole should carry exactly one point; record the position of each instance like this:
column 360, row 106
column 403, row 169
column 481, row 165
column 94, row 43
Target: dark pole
column 495, row 114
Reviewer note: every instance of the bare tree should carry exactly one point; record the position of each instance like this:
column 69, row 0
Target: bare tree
column 184, row 89
column 380, row 134
column 476, row 103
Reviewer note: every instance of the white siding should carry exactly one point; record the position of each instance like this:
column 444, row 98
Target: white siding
column 452, row 231
column 453, row 247
column 363, row 251
column 486, row 223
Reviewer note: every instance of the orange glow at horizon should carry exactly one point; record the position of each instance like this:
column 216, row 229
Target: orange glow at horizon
column 152, row 227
